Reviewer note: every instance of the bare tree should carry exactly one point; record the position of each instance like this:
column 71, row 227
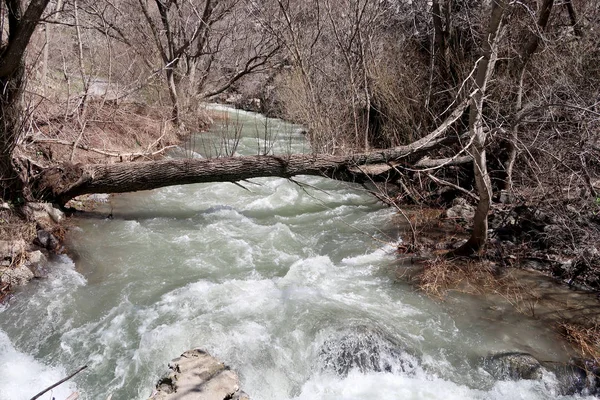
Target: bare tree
column 529, row 49
column 485, row 68
column 192, row 39
column 21, row 26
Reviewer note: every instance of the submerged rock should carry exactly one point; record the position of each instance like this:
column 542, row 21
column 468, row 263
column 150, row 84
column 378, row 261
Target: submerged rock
column 196, row 375
column 570, row 378
column 365, row 349
column 577, row 377
column 505, row 366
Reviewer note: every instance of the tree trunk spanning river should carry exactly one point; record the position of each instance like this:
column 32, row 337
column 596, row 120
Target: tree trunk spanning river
column 291, row 285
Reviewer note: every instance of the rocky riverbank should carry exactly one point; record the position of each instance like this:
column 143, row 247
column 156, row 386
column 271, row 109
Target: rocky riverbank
column 29, row 240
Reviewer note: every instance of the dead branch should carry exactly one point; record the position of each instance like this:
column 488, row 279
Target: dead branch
column 105, row 152
column 37, row 396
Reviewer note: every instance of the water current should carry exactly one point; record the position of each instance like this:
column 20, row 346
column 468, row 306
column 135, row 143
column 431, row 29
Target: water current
column 291, row 283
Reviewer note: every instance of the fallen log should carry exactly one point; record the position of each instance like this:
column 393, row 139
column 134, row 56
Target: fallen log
column 62, row 183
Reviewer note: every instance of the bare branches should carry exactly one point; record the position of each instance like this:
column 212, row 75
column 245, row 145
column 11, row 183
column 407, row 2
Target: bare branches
column 21, row 27
column 37, row 396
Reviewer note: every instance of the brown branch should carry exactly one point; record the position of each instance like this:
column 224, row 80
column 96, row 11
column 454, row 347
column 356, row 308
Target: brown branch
column 104, row 152
column 37, row 396
column 453, row 186
column 442, row 162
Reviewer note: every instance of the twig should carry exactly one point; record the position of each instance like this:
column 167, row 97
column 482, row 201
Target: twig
column 37, row 396
column 105, row 153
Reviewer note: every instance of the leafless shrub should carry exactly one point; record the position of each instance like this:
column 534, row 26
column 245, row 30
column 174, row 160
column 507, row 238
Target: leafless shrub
column 585, row 339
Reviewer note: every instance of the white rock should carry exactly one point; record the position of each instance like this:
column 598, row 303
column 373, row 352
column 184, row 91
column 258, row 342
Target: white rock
column 15, row 276
column 36, row 262
column 196, row 375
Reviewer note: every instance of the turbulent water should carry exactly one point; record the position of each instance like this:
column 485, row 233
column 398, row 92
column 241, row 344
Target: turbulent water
column 292, row 284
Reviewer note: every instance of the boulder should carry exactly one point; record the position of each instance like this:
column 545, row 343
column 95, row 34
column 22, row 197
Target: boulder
column 365, row 349
column 460, row 210
column 196, row 375
column 18, row 276
column 579, row 377
column 571, row 379
column 46, row 240
column 45, row 214
column 37, row 263
column 506, row 366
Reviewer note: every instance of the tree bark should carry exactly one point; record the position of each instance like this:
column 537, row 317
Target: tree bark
column 12, row 82
column 61, row 184
column 574, row 18
column 485, row 67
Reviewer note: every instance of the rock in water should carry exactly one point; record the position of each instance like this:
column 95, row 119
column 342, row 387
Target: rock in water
column 196, row 375
column 514, row 366
column 365, row 349
column 570, row 378
column 579, row 377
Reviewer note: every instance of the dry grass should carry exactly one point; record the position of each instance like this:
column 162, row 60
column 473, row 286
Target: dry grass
column 586, row 340
column 441, row 275
column 476, row 277
column 12, row 227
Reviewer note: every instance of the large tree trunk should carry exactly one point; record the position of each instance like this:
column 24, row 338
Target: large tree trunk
column 21, row 26
column 485, row 67
column 10, row 129
column 60, row 184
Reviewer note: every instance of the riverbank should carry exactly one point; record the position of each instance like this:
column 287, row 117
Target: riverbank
column 539, row 284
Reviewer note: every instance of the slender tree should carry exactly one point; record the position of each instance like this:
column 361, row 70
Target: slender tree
column 21, row 25
column 485, row 68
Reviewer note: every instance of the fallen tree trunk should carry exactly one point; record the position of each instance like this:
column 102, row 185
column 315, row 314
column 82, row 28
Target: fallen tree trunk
column 62, row 183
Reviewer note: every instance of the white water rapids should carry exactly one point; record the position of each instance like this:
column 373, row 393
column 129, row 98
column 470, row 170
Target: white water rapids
column 283, row 282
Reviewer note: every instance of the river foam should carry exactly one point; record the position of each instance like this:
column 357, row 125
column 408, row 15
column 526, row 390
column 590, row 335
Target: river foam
column 22, row 376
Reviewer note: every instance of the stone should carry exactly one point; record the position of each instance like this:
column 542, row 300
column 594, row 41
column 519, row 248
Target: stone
column 10, row 248
column 196, row 375
column 46, row 240
column 18, row 276
column 571, row 379
column 45, row 214
column 460, row 210
column 513, row 366
column 37, row 263
column 365, row 349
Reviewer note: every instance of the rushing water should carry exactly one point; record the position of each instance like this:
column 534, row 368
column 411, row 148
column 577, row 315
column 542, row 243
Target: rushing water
column 287, row 282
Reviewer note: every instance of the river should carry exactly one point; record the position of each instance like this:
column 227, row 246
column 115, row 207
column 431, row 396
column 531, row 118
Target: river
column 287, row 282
